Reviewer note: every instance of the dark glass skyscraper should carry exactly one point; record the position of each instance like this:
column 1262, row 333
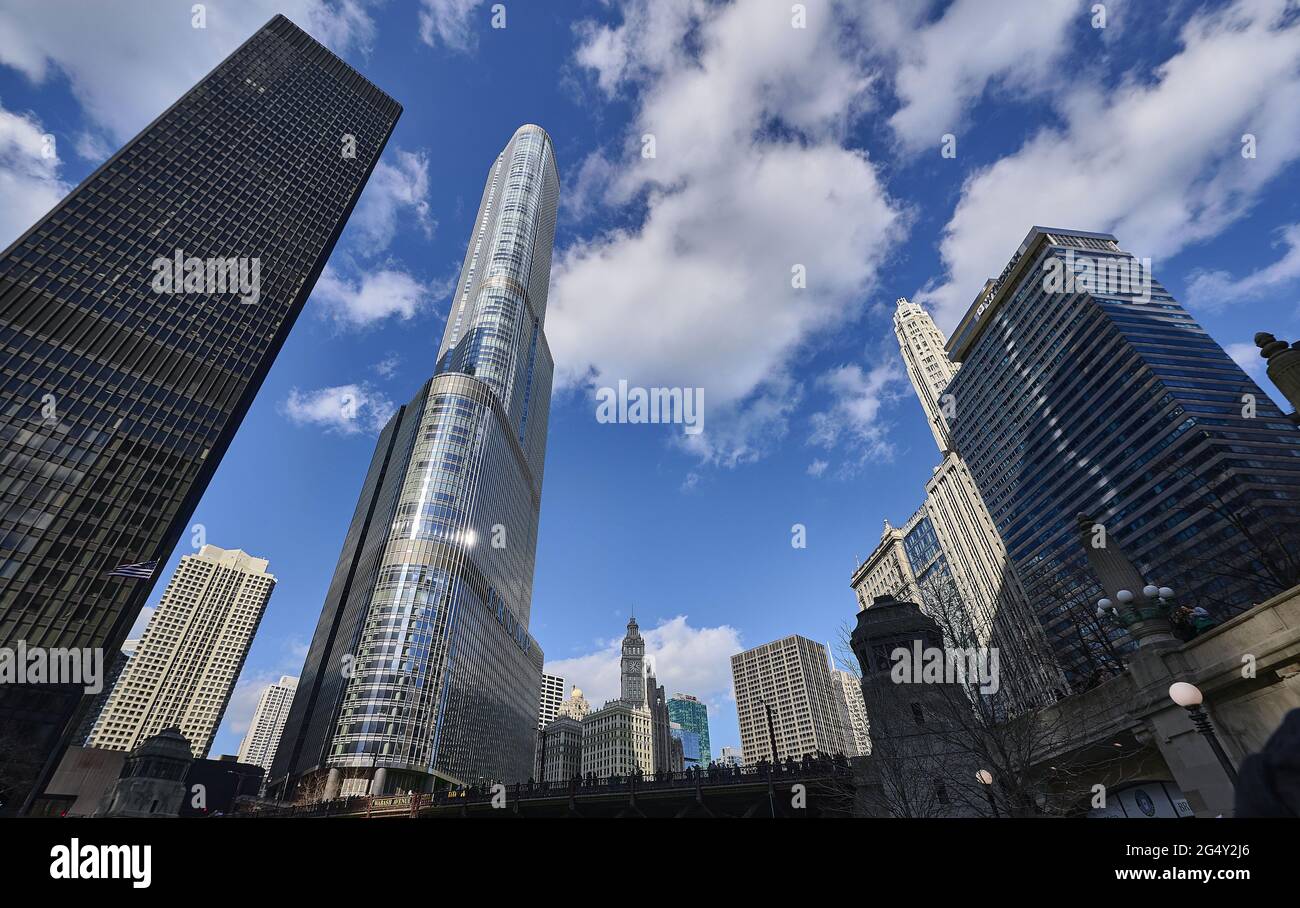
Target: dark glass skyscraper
column 139, row 318
column 1100, row 394
column 422, row 666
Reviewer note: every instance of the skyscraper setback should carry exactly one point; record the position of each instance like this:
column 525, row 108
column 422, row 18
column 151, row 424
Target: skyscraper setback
column 421, row 666
column 121, row 392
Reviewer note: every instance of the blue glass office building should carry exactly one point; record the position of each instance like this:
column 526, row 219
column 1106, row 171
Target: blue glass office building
column 1107, row 398
column 693, row 716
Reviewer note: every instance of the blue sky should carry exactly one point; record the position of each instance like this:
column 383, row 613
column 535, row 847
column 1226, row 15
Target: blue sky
column 775, row 146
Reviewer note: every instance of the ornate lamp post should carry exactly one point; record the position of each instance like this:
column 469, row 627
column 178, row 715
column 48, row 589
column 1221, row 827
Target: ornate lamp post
column 1126, row 610
column 1283, row 367
column 1189, row 697
column 1146, row 620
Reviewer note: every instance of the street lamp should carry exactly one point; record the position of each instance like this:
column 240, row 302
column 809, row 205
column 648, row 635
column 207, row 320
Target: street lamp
column 1126, row 613
column 1189, row 697
column 985, row 778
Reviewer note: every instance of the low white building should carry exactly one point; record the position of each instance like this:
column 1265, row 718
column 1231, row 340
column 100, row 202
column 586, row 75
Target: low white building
column 617, row 740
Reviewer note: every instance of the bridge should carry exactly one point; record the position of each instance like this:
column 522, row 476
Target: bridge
column 814, row 788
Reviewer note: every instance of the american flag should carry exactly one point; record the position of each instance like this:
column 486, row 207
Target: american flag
column 142, row 571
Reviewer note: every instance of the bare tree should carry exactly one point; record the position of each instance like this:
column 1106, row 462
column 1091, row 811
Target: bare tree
column 1264, row 560
column 976, row 721
column 1075, row 592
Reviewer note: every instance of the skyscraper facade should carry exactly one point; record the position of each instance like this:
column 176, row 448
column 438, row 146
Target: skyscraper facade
column 791, row 676
column 552, row 696
column 559, row 754
column 618, row 740
column 852, row 713
column 693, row 716
column 921, row 344
column 657, row 704
column 191, row 653
column 92, row 713
column 949, row 556
column 684, row 748
column 140, row 317
column 263, row 736
column 1085, row 387
column 422, row 666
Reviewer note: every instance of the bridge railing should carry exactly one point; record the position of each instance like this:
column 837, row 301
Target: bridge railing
column 712, row 776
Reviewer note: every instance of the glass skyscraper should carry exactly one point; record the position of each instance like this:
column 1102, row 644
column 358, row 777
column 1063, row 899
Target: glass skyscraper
column 1102, row 395
column 693, row 716
column 422, row 666
column 124, row 380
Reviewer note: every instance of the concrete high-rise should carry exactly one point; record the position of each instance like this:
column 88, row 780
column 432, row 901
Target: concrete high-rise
column 693, row 716
column 263, row 736
column 430, row 602
column 1085, row 387
column 551, row 698
column 125, row 381
column 618, row 740
column 852, row 713
column 559, row 752
column 789, row 682
column 91, row 714
column 191, row 653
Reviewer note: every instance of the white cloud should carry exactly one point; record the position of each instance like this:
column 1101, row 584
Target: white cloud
column 1246, row 355
column 393, row 189
column 387, row 367
column 29, row 174
column 129, row 60
column 448, row 21
column 1157, row 161
column 853, row 418
column 817, row 468
column 91, row 147
column 375, row 296
column 944, row 66
column 749, row 180
column 243, row 702
column 692, row 660
column 647, row 41
column 1214, row 290
column 343, row 409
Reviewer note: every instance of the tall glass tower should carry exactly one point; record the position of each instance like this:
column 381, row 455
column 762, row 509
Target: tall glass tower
column 123, row 380
column 422, row 666
column 1102, row 395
